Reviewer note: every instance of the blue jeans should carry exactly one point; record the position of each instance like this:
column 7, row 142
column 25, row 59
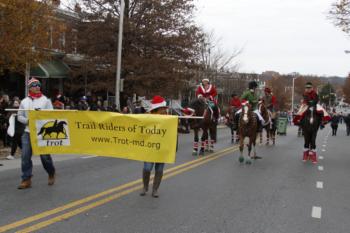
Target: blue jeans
column 149, row 166
column 27, row 164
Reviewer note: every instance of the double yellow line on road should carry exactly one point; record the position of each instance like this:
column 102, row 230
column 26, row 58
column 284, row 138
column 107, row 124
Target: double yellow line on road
column 113, row 193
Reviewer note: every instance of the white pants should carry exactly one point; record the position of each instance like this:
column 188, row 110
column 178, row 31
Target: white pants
column 257, row 113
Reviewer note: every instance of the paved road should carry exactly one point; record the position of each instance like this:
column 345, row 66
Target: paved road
column 209, row 194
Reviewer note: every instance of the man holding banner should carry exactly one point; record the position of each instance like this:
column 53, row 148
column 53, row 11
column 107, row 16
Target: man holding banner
column 158, row 106
column 34, row 101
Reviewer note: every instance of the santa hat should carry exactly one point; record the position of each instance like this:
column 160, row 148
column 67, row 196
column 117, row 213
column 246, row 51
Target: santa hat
column 33, row 81
column 245, row 102
column 157, row 102
column 205, row 80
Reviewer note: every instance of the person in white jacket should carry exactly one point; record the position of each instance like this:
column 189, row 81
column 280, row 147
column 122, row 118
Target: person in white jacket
column 34, row 101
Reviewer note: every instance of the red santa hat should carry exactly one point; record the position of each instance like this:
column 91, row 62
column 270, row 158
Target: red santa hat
column 157, row 102
column 245, row 102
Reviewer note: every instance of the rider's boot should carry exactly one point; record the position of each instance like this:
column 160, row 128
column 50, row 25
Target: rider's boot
column 313, row 157
column 145, row 178
column 306, row 155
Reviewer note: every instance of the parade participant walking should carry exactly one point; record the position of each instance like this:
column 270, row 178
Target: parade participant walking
column 347, row 123
column 34, row 101
column 158, row 106
column 334, row 123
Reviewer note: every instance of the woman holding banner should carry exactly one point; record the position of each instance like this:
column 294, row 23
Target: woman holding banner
column 158, row 106
column 35, row 101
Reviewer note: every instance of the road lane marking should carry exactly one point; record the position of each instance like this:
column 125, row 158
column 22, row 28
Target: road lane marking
column 89, row 157
column 324, row 145
column 323, row 150
column 319, row 184
column 321, row 157
column 101, row 194
column 320, row 168
column 111, row 198
column 316, row 212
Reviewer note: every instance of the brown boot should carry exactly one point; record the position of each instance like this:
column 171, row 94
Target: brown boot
column 156, row 183
column 25, row 184
column 51, row 179
column 145, row 178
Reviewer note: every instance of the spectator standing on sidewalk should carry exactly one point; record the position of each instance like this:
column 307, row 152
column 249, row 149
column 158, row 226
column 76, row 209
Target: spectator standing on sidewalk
column 18, row 129
column 34, row 101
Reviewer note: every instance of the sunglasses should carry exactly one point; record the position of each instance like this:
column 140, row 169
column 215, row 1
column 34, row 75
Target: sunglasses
column 35, row 85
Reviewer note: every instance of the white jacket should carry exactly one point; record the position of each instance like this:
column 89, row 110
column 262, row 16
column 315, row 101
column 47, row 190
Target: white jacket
column 33, row 104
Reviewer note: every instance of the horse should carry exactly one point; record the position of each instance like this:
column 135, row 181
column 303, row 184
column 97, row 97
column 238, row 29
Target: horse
column 269, row 125
column 310, row 124
column 58, row 127
column 232, row 123
column 247, row 127
column 208, row 125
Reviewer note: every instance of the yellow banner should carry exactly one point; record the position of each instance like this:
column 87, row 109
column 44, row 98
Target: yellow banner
column 143, row 137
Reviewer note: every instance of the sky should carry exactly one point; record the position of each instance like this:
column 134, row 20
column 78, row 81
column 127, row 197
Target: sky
column 279, row 35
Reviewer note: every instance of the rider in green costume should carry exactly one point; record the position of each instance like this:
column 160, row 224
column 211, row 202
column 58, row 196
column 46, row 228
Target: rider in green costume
column 253, row 100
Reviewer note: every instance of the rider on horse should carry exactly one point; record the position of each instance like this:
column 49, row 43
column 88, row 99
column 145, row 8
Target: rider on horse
column 310, row 100
column 235, row 102
column 207, row 90
column 269, row 100
column 251, row 97
column 208, row 93
column 310, row 105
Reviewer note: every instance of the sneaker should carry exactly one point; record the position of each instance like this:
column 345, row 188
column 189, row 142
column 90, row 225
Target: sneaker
column 10, row 157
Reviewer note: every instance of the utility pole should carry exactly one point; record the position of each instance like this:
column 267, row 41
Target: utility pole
column 119, row 55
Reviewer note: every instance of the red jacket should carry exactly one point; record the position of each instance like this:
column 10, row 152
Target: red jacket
column 210, row 93
column 310, row 98
column 235, row 102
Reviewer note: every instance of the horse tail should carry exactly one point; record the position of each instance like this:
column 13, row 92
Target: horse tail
column 42, row 130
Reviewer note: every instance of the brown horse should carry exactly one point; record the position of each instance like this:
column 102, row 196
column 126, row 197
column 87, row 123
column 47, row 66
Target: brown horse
column 269, row 125
column 247, row 128
column 208, row 125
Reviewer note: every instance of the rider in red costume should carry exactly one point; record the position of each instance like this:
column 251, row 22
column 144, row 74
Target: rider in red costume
column 207, row 91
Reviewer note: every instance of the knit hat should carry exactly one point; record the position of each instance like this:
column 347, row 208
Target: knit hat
column 33, row 81
column 157, row 102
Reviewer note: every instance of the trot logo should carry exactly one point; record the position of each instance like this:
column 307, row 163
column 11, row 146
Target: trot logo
column 53, row 132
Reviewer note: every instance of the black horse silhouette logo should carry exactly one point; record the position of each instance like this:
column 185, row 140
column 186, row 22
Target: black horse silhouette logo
column 54, row 127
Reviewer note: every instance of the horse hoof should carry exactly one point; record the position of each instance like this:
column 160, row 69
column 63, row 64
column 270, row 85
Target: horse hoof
column 241, row 159
column 194, row 153
column 249, row 162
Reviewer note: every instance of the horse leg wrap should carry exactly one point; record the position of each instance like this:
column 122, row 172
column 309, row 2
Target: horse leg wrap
column 211, row 145
column 207, row 145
